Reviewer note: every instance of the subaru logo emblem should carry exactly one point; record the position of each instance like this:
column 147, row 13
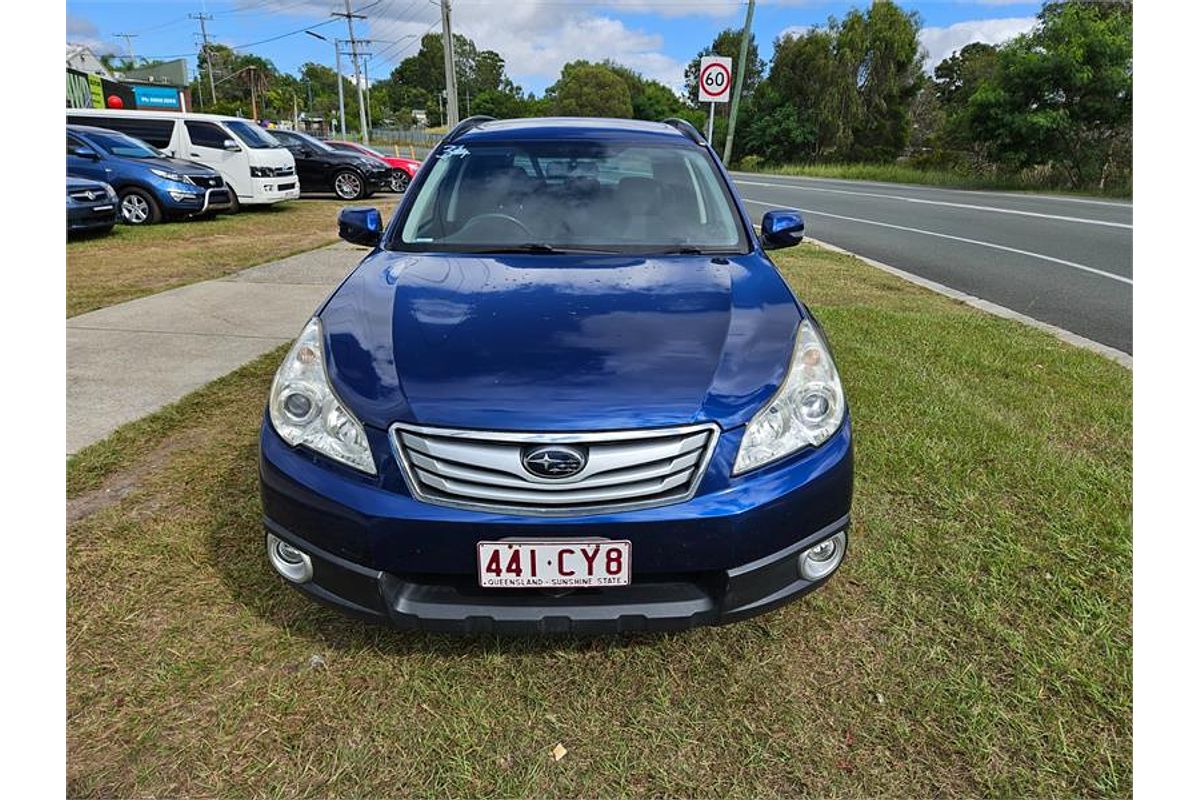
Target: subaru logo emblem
column 92, row 195
column 554, row 461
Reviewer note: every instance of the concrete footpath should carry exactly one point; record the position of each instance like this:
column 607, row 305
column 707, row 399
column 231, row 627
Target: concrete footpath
column 128, row 360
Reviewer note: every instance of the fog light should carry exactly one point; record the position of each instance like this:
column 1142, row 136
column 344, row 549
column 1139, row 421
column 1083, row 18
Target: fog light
column 823, row 558
column 288, row 561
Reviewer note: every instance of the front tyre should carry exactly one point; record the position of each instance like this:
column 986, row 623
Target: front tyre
column 399, row 182
column 138, row 207
column 347, row 185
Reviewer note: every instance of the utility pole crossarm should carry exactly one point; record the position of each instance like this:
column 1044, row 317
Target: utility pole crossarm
column 128, row 37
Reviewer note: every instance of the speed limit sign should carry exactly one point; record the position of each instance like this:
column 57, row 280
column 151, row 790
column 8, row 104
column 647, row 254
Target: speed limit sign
column 716, row 74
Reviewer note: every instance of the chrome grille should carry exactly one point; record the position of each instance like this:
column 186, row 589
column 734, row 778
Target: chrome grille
column 485, row 470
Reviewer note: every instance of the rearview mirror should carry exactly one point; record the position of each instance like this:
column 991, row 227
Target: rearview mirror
column 360, row 225
column 232, row 146
column 782, row 229
column 85, row 152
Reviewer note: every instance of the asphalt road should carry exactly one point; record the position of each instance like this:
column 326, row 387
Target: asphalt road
column 1067, row 261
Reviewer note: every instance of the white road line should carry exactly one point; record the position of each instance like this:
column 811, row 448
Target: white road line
column 992, row 245
column 903, row 199
column 1057, row 198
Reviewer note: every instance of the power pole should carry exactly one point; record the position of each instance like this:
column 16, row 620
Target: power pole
column 337, row 61
column 337, row 55
column 737, row 84
column 362, row 109
column 212, row 86
column 367, row 80
column 128, row 37
column 451, row 78
column 254, row 93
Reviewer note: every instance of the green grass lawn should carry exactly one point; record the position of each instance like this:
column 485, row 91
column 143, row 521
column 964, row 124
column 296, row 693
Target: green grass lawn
column 976, row 642
column 902, row 173
column 132, row 262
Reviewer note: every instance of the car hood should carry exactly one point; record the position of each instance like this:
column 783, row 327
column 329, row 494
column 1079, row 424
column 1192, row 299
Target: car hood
column 271, row 157
column 558, row 343
column 77, row 184
column 361, row 161
column 179, row 165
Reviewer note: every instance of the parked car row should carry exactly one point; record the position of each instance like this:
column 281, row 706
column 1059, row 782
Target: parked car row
column 173, row 165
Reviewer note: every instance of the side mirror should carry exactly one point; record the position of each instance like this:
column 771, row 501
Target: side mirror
column 231, row 146
column 782, row 229
column 305, row 151
column 86, row 152
column 360, row 225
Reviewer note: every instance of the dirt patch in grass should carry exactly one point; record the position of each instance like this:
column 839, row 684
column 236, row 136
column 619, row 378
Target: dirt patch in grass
column 133, row 262
column 977, row 641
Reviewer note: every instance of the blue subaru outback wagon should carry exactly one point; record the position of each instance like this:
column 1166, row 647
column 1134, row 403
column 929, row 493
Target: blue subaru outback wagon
column 566, row 391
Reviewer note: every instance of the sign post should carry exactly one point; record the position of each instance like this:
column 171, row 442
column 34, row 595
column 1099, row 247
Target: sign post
column 716, row 74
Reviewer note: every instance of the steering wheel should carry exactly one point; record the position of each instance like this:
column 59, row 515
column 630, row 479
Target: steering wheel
column 493, row 217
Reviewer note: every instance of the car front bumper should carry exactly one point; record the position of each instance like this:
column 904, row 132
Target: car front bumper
column 730, row 552
column 200, row 201
column 89, row 217
column 378, row 180
column 271, row 190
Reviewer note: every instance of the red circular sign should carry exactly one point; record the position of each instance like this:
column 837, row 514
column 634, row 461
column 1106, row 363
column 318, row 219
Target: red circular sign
column 714, row 80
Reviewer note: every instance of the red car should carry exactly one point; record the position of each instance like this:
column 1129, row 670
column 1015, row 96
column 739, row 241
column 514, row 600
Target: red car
column 403, row 169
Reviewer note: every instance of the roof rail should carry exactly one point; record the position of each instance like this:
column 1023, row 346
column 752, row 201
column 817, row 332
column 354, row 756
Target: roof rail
column 686, row 128
column 466, row 125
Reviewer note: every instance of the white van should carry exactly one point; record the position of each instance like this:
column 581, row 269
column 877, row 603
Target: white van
column 254, row 165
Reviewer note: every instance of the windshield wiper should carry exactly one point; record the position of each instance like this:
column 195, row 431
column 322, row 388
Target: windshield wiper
column 541, row 247
column 681, row 250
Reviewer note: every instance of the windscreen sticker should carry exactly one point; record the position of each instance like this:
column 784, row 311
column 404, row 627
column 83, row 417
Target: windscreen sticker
column 454, row 151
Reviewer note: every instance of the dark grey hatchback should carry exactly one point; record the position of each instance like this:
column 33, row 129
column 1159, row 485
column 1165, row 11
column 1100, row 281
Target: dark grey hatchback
column 91, row 206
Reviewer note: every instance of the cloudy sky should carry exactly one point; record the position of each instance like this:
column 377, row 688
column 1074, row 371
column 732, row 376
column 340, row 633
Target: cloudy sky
column 536, row 37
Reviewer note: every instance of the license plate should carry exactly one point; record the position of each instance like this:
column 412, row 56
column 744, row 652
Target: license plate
column 563, row 564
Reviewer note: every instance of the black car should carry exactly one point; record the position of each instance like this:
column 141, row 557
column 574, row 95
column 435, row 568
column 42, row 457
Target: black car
column 91, row 206
column 323, row 169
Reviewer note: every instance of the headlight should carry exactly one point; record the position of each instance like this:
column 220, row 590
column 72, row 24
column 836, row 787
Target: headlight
column 262, row 172
column 304, row 409
column 112, row 193
column 170, row 176
column 807, row 409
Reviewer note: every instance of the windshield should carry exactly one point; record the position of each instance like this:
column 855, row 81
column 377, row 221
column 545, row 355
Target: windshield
column 251, row 135
column 312, row 142
column 542, row 196
column 118, row 144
